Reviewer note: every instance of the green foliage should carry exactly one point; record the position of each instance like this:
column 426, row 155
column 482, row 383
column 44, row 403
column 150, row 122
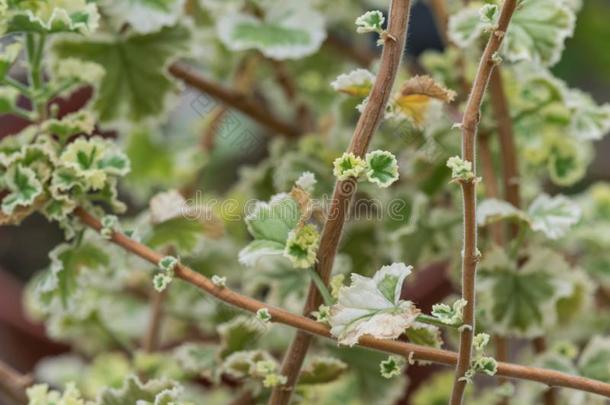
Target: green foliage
column 522, row 302
column 141, row 136
column 41, row 16
column 131, row 63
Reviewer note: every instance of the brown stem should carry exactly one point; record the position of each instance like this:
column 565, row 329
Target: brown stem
column 441, row 17
column 13, row 383
column 344, row 190
column 504, row 123
column 150, row 342
column 491, row 183
column 470, row 253
column 408, row 350
column 235, row 99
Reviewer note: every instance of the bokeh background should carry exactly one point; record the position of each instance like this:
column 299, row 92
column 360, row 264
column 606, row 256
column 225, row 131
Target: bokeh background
column 24, row 249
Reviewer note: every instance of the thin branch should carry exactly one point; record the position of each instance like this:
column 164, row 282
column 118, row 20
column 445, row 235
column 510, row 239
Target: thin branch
column 13, row 383
column 235, row 99
column 344, row 190
column 470, row 254
column 504, row 123
column 150, row 342
column 408, row 350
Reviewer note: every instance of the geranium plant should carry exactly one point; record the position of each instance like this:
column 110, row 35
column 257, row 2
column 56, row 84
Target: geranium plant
column 183, row 279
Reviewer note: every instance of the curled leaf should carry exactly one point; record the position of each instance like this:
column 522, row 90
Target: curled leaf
column 414, row 97
column 372, row 306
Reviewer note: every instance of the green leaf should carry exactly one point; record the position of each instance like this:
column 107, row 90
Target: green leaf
column 589, row 121
column 321, row 370
column 133, row 391
column 51, row 16
column 182, row 233
column 424, row 334
column 132, row 63
column 553, row 216
column 81, row 122
column 241, row 364
column 382, row 168
column 302, row 246
column 24, row 187
column 522, row 302
column 258, row 249
column 371, row 21
column 372, row 306
column 239, row 334
column 40, row 394
column 290, row 29
column 450, row 315
column 567, row 163
column 93, row 161
column 594, row 361
column 67, row 262
column 197, row 358
column 348, row 165
column 8, row 99
column 537, row 31
column 145, row 16
column 271, row 224
column 273, row 221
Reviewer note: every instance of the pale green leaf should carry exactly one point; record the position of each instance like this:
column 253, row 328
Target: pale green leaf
column 24, row 187
column 132, row 63
column 133, row 391
column 302, row 246
column 424, row 334
column 522, row 302
column 371, row 21
column 321, row 370
column 594, row 361
column 372, row 306
column 50, row 16
column 290, row 29
column 589, row 121
column 239, row 334
column 67, row 262
column 144, row 16
column 492, row 210
column 553, row 216
column 537, row 31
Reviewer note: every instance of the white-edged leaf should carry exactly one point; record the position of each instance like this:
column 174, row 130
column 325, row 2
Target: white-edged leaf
column 493, row 210
column 382, row 168
column 537, row 31
column 144, row 16
column 372, row 306
column 290, row 29
column 132, row 62
column 589, row 121
column 358, row 82
column 522, row 302
column 50, row 16
column 553, row 216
